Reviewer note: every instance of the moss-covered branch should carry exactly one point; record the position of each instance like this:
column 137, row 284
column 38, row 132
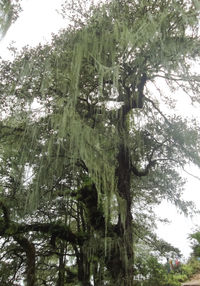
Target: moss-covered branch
column 57, row 230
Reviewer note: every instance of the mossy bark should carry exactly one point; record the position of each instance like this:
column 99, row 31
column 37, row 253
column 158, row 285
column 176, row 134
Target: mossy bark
column 125, row 224
column 83, row 269
column 29, row 249
column 122, row 257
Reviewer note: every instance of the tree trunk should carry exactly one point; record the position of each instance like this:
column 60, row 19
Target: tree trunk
column 98, row 274
column 126, row 255
column 29, row 249
column 123, row 255
column 83, row 269
column 61, row 269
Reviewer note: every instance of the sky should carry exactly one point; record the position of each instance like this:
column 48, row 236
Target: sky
column 36, row 23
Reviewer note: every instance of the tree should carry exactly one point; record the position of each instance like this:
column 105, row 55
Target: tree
column 101, row 147
column 195, row 238
column 9, row 11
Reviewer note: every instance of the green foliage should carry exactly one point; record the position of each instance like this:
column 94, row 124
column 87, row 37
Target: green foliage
column 8, row 14
column 195, row 237
column 176, row 279
column 155, row 273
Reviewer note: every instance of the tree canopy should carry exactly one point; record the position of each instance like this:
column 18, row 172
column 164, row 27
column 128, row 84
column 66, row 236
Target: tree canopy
column 9, row 12
column 87, row 147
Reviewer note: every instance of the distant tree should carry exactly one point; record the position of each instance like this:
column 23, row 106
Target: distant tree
column 195, row 239
column 9, row 11
column 86, row 147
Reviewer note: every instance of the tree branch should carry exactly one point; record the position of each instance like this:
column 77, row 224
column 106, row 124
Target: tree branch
column 60, row 231
column 5, row 215
column 159, row 111
column 142, row 173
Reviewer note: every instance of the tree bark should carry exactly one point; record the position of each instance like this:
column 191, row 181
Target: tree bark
column 83, row 269
column 29, row 249
column 126, row 255
column 122, row 262
column 61, row 269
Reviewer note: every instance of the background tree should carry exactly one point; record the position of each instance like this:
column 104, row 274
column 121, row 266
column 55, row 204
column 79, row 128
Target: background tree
column 9, row 11
column 195, row 238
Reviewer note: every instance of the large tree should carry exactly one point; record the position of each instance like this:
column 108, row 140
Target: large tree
column 87, row 147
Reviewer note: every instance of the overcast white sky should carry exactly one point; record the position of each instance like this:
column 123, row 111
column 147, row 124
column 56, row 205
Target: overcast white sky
column 35, row 24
